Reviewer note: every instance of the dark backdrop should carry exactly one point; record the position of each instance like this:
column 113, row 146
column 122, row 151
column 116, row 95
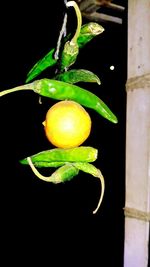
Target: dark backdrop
column 42, row 221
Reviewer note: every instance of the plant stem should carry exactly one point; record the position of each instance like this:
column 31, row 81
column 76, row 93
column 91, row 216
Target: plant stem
column 36, row 172
column 18, row 88
column 100, row 176
column 79, row 19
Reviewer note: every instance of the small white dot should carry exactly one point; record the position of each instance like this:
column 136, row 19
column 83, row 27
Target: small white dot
column 52, row 90
column 112, row 67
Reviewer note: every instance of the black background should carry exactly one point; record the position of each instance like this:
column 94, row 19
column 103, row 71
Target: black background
column 46, row 222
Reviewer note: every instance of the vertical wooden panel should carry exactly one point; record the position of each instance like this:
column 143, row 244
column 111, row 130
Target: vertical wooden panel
column 138, row 134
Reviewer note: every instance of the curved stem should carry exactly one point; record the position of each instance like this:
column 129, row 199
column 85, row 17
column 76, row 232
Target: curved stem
column 100, row 176
column 64, row 173
column 18, row 88
column 36, row 172
column 79, row 19
column 91, row 169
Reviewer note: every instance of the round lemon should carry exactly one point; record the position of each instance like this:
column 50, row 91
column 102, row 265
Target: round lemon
column 67, row 124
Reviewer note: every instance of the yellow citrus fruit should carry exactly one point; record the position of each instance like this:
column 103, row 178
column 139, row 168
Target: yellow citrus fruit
column 67, row 124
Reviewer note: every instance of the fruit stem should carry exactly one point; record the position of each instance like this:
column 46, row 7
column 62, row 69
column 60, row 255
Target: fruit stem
column 36, row 172
column 79, row 20
column 18, row 88
column 100, row 176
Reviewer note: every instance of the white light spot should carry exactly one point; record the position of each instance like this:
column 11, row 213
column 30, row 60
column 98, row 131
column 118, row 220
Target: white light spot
column 112, row 67
column 52, row 90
